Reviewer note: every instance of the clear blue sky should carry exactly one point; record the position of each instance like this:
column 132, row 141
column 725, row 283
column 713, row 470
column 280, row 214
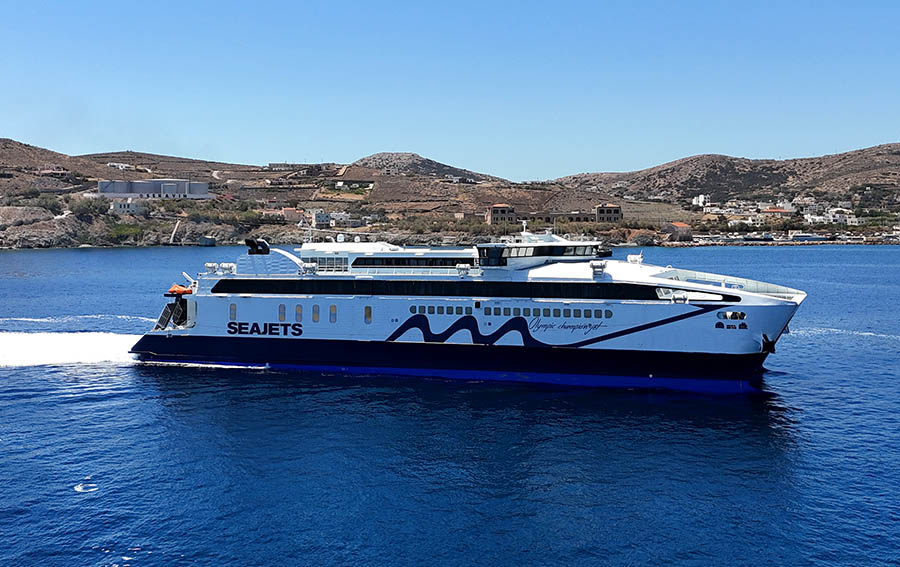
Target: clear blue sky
column 517, row 89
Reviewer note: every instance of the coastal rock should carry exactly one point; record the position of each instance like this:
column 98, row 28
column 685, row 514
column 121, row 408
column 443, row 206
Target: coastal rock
column 17, row 216
column 643, row 238
column 53, row 233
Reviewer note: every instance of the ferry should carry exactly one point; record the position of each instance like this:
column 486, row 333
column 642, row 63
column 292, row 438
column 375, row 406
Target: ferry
column 535, row 308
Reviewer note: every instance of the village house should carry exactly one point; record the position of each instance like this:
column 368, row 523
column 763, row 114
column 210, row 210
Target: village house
column 318, row 218
column 701, row 201
column 128, row 207
column 500, row 213
column 291, row 214
column 776, row 213
column 677, row 231
column 608, row 213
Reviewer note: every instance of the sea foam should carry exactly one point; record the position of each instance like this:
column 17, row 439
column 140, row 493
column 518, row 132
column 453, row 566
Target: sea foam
column 36, row 349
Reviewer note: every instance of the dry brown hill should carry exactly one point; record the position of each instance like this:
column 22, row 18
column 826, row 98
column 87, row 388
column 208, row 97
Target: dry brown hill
column 409, row 183
column 18, row 156
column 404, row 163
column 24, row 167
column 169, row 166
column 845, row 176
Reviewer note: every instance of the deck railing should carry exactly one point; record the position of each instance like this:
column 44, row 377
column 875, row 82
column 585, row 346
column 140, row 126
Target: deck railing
column 753, row 286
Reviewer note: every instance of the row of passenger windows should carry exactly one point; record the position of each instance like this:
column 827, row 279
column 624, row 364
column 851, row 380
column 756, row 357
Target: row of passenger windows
column 548, row 312
column 414, row 262
column 298, row 313
column 514, row 311
column 440, row 310
column 518, row 251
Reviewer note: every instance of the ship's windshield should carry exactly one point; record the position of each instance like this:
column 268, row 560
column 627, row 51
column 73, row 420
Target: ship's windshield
column 496, row 255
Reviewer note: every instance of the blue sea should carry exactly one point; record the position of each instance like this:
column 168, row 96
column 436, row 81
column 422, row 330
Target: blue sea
column 106, row 463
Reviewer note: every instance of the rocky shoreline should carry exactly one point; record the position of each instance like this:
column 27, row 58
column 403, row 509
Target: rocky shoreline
column 35, row 227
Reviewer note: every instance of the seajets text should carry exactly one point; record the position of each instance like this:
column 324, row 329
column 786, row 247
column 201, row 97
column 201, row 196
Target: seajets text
column 269, row 329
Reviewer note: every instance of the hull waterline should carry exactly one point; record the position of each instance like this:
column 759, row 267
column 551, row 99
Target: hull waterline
column 697, row 372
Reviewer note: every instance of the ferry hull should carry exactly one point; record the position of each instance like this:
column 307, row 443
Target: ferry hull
column 684, row 371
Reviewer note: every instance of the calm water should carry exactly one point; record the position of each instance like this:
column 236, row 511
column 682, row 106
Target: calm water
column 106, row 463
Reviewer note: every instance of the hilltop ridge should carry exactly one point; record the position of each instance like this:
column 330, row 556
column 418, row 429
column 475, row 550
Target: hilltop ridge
column 407, row 163
column 844, row 175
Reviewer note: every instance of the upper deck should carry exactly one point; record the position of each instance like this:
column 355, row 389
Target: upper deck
column 527, row 259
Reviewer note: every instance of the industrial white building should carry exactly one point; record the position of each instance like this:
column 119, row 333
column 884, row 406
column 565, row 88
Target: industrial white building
column 154, row 189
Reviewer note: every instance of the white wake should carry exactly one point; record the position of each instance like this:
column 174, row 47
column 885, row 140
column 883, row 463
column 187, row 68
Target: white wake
column 812, row 331
column 71, row 318
column 36, row 349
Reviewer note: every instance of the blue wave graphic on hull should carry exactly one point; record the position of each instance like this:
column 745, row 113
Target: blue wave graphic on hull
column 520, row 325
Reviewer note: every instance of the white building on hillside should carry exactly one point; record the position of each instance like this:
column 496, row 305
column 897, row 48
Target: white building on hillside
column 128, row 207
column 154, row 189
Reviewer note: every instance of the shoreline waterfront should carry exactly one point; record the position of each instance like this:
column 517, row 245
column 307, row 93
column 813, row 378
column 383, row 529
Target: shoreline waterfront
column 416, row 240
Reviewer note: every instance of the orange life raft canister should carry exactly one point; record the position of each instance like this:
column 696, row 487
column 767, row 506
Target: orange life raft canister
column 180, row 290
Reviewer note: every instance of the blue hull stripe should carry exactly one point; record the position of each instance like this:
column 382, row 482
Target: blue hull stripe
column 579, row 367
column 520, row 325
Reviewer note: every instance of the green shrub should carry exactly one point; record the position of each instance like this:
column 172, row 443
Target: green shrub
column 122, row 232
column 90, row 207
column 50, row 203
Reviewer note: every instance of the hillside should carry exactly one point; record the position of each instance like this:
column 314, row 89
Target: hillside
column 166, row 166
column 839, row 176
column 402, row 163
column 24, row 167
column 403, row 184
